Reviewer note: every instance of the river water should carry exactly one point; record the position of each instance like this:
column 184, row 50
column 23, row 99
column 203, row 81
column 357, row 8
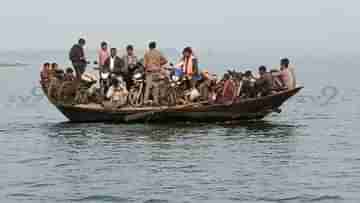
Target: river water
column 309, row 153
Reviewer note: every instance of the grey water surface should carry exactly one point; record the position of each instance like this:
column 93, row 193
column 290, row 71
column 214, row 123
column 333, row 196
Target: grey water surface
column 309, row 153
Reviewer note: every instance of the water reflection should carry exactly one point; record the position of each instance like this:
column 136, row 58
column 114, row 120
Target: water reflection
column 85, row 134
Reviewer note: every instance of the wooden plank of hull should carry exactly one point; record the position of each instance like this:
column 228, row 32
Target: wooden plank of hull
column 247, row 109
column 74, row 115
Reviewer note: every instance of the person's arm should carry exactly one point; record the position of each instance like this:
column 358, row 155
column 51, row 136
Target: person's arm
column 292, row 71
column 235, row 90
column 239, row 88
column 163, row 60
column 110, row 92
column 82, row 54
column 146, row 61
column 195, row 66
column 99, row 59
column 180, row 64
column 106, row 65
column 121, row 65
column 226, row 84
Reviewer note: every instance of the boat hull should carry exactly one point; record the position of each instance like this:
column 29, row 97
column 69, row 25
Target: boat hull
column 248, row 109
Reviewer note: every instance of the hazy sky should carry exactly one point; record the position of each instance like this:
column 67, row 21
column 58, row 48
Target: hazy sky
column 228, row 24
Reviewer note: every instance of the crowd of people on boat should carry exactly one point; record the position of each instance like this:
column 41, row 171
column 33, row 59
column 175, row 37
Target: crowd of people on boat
column 153, row 81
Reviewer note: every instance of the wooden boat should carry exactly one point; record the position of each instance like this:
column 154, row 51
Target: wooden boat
column 246, row 109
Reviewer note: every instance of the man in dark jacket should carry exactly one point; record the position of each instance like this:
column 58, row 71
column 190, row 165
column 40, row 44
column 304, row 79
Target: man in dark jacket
column 77, row 57
column 115, row 64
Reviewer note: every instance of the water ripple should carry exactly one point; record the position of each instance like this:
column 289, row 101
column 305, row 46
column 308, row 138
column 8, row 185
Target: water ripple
column 101, row 198
column 302, row 199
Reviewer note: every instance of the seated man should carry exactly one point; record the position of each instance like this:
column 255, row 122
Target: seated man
column 278, row 84
column 204, row 86
column 264, row 84
column 45, row 73
column 69, row 74
column 117, row 94
column 228, row 92
column 55, row 84
column 248, row 85
column 54, row 66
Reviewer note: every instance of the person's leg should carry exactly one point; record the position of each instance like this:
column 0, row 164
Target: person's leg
column 129, row 82
column 148, row 86
column 156, row 88
column 156, row 92
column 204, row 91
column 79, row 70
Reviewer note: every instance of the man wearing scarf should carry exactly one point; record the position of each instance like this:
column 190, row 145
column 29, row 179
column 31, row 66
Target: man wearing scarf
column 189, row 63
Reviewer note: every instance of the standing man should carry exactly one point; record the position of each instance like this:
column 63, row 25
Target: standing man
column 103, row 54
column 189, row 63
column 153, row 60
column 77, row 58
column 287, row 74
column 114, row 64
column 130, row 60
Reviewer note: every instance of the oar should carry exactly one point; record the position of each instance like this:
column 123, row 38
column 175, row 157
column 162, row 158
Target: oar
column 143, row 115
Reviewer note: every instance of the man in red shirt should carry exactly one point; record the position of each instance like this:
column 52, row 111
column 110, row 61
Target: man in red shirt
column 103, row 54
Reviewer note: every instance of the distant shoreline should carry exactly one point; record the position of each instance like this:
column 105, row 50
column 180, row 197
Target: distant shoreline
column 4, row 65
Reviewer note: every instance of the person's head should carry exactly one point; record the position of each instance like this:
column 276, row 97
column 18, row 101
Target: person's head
column 248, row 74
column 104, row 46
column 187, row 52
column 59, row 74
column 284, row 63
column 239, row 76
column 226, row 76
column 115, row 82
column 113, row 52
column 152, row 45
column 46, row 65
column 262, row 70
column 82, row 42
column 130, row 50
column 54, row 66
column 205, row 73
column 69, row 71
